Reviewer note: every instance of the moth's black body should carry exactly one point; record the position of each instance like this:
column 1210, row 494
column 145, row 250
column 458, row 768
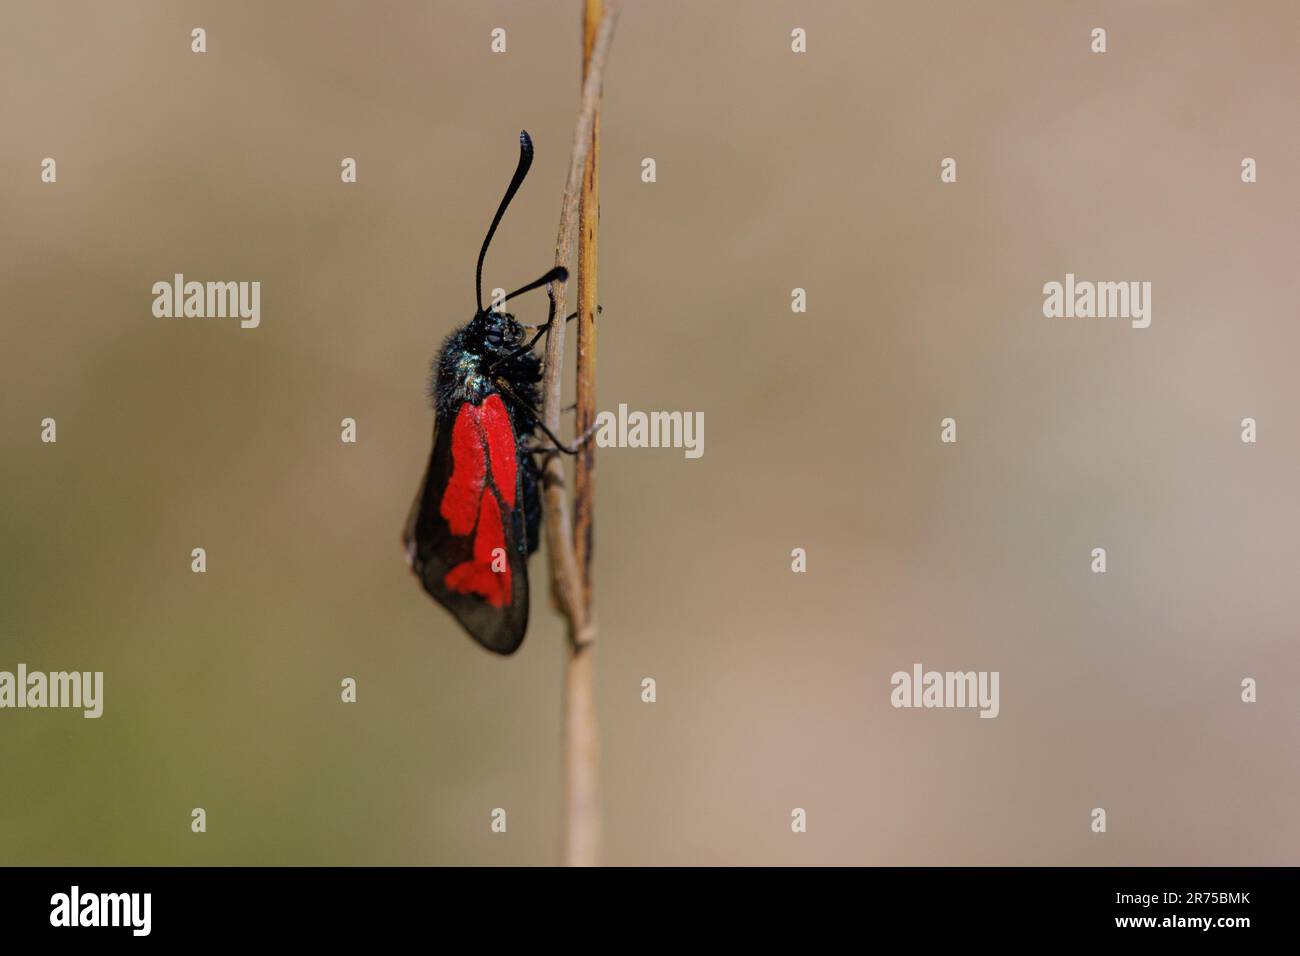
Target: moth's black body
column 481, row 367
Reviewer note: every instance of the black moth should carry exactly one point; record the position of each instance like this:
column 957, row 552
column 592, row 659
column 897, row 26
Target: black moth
column 477, row 514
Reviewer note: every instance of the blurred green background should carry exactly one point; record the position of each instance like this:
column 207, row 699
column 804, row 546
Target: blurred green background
column 774, row 171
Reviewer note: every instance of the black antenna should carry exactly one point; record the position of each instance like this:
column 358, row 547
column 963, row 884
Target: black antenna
column 525, row 160
column 558, row 274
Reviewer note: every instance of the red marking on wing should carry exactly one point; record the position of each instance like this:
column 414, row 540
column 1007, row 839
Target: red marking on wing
column 481, row 435
column 476, row 576
column 495, row 422
column 460, row 502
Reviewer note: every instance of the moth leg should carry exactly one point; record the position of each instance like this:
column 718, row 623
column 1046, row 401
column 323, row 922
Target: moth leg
column 560, row 446
column 547, row 324
column 533, row 327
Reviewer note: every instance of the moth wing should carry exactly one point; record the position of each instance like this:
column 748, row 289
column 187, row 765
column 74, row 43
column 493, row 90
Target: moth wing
column 465, row 537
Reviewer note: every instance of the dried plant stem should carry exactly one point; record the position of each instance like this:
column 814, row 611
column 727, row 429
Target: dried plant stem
column 588, row 238
column 570, row 556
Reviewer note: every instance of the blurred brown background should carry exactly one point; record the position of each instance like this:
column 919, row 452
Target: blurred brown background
column 822, row 430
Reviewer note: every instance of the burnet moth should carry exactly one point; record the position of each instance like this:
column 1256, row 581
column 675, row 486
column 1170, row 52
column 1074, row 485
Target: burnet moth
column 477, row 515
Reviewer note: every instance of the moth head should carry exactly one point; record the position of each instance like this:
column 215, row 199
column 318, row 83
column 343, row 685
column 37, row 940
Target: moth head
column 499, row 330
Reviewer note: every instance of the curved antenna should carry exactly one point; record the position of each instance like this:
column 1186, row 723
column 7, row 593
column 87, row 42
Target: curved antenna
column 525, row 160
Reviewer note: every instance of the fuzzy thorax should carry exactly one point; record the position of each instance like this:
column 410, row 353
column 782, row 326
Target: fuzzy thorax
column 477, row 357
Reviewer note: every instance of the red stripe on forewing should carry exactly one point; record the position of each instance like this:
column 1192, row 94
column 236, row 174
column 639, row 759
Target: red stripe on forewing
column 481, row 435
column 476, row 576
column 460, row 502
column 495, row 422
